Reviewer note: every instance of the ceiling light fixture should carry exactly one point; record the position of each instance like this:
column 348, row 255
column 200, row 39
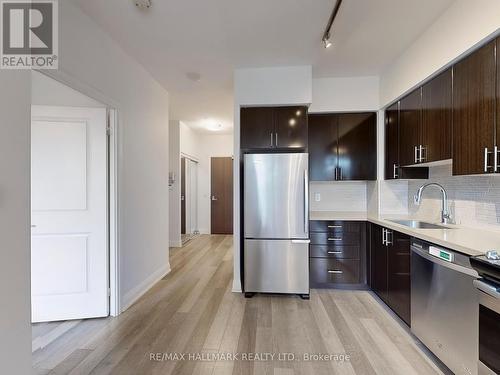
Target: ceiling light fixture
column 326, row 35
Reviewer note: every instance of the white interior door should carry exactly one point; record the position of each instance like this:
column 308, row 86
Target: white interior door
column 69, row 255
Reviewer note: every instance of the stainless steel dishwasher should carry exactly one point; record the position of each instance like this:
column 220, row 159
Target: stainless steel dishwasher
column 444, row 305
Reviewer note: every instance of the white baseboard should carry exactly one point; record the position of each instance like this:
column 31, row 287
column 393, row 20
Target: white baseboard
column 175, row 243
column 237, row 286
column 133, row 295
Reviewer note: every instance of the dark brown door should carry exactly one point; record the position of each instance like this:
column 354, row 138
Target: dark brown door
column 290, row 127
column 257, row 128
column 391, row 142
column 398, row 281
column 378, row 263
column 183, row 195
column 221, row 195
column 474, row 111
column 436, row 118
column 357, row 146
column 410, row 116
column 323, row 156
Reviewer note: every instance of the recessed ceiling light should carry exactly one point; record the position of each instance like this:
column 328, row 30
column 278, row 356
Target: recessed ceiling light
column 193, row 76
column 143, row 4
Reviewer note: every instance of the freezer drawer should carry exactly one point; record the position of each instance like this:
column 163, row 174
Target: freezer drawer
column 276, row 196
column 276, row 266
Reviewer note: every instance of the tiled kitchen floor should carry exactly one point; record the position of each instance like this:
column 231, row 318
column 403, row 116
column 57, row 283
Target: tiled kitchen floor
column 192, row 310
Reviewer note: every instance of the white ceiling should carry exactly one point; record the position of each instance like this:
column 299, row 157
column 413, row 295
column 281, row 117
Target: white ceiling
column 214, row 37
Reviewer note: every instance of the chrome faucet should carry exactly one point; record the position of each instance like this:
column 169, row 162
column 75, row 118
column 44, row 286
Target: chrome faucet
column 445, row 214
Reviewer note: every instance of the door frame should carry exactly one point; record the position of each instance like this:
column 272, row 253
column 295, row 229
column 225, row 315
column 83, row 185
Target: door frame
column 112, row 188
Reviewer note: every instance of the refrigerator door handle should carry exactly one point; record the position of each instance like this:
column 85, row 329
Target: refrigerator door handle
column 306, row 202
column 301, row 241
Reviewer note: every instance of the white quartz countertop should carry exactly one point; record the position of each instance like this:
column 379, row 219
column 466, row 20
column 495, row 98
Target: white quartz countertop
column 469, row 241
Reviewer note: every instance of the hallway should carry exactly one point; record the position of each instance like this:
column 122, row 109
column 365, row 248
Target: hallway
column 193, row 311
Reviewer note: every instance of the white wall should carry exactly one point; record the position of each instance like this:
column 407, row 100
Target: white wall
column 48, row 91
column 464, row 24
column 266, row 87
column 174, row 193
column 15, row 313
column 345, row 94
column 273, row 86
column 94, row 64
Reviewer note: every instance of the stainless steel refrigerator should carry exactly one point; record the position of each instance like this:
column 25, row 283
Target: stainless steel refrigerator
column 276, row 223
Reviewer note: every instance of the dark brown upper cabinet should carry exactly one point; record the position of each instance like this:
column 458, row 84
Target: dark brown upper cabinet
column 436, row 118
column 392, row 142
column 357, row 146
column 393, row 169
column 290, row 127
column 323, row 147
column 410, row 122
column 474, row 81
column 273, row 128
column 342, row 147
column 497, row 144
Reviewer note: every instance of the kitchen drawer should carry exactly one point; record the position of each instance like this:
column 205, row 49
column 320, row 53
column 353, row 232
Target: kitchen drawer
column 332, row 251
column 335, row 238
column 334, row 271
column 335, row 226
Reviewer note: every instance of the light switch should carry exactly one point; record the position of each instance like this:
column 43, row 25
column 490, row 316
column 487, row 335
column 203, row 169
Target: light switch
column 317, row 197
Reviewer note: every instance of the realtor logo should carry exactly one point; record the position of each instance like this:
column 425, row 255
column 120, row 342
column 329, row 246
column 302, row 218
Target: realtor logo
column 29, row 34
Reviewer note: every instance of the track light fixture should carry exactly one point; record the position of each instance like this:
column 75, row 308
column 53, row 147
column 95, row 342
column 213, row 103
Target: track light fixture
column 326, row 35
column 326, row 42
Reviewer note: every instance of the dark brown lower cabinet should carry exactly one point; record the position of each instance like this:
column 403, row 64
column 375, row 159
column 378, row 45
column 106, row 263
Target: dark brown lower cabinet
column 398, row 275
column 337, row 254
column 390, row 269
column 378, row 262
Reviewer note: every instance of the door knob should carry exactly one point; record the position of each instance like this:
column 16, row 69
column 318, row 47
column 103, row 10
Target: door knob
column 213, row 198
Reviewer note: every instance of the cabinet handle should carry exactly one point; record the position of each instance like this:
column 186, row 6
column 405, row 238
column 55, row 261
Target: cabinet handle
column 495, row 157
column 335, row 226
column 271, row 139
column 341, row 176
column 384, row 232
column 486, row 166
column 416, row 154
column 395, row 171
column 335, row 252
column 422, row 157
column 336, row 174
column 276, row 134
column 391, row 233
column 334, row 239
column 335, row 271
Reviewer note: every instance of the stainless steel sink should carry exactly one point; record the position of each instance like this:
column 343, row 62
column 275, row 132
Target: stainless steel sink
column 419, row 224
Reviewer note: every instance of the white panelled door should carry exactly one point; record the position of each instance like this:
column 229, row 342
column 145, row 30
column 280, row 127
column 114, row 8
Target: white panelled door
column 69, row 254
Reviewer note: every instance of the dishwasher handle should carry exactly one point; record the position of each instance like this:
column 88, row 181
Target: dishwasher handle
column 453, row 266
column 487, row 288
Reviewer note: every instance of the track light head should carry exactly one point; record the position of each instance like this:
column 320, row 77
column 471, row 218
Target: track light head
column 326, row 42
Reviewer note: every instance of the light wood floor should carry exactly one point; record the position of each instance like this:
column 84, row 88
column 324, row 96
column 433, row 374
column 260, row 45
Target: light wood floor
column 193, row 310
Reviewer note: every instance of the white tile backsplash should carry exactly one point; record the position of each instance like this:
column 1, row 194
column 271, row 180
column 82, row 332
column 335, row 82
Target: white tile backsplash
column 338, row 196
column 393, row 197
column 474, row 200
